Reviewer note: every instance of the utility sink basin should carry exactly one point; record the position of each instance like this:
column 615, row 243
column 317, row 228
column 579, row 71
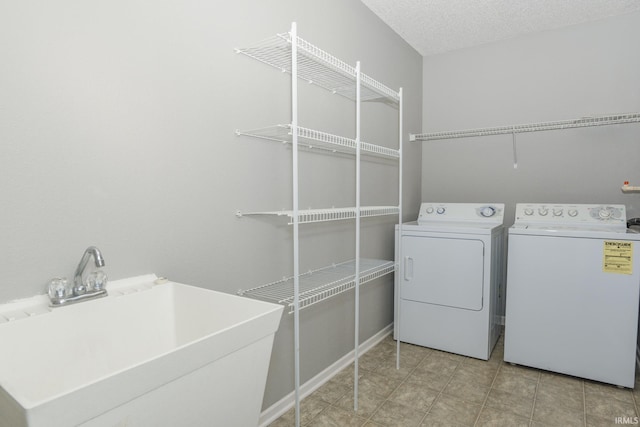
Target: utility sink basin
column 152, row 353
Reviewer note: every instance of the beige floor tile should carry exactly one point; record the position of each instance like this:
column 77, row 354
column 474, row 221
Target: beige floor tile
column 481, row 373
column 481, row 365
column 523, row 371
column 411, row 359
column 415, row 350
column 309, row 408
column 415, row 394
column 375, row 383
column 554, row 415
column 433, row 380
column 389, row 368
column 515, row 383
column 446, row 354
column 397, row 415
column 370, row 361
column 444, row 386
column 438, row 363
column 490, row 417
column 607, row 422
column 448, row 409
column 333, row 390
column 368, row 403
column 334, row 416
column 510, row 403
column 467, row 388
column 564, row 382
column 565, row 396
column 596, row 390
column 608, row 407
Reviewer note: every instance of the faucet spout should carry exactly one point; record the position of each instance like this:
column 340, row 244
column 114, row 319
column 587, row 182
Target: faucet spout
column 88, row 253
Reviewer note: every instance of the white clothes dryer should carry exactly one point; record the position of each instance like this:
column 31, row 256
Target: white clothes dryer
column 573, row 283
column 450, row 270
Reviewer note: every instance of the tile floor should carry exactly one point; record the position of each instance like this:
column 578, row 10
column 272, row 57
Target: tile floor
column 435, row 388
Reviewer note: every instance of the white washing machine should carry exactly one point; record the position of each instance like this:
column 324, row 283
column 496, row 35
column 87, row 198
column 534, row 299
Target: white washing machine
column 573, row 283
column 449, row 275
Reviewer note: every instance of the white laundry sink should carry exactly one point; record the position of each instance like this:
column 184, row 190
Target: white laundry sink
column 152, row 353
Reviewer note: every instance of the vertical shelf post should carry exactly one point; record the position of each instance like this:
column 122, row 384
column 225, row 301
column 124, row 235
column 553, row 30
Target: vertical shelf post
column 296, row 220
column 357, row 275
column 399, row 240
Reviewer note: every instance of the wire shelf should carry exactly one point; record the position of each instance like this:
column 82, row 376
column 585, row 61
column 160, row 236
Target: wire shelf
column 313, row 139
column 533, row 127
column 307, row 216
column 319, row 67
column 318, row 285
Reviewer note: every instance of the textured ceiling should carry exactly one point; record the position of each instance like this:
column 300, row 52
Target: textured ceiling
column 436, row 26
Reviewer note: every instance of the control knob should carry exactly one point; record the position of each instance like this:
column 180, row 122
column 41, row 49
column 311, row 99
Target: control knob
column 528, row 211
column 543, row 211
column 440, row 210
column 573, row 212
column 604, row 213
column 429, row 210
column 487, row 211
column 557, row 212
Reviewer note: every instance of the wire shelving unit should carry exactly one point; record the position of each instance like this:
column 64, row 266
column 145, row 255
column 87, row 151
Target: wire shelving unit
column 614, row 119
column 303, row 61
column 318, row 67
column 318, row 285
column 314, row 139
column 307, row 216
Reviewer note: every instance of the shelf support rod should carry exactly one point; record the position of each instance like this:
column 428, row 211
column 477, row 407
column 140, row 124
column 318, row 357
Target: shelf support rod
column 396, row 326
column 515, row 154
column 296, row 220
column 357, row 266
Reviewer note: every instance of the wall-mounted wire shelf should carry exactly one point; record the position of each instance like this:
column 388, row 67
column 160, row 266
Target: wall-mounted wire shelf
column 533, row 127
column 318, row 285
column 307, row 216
column 313, row 139
column 319, row 67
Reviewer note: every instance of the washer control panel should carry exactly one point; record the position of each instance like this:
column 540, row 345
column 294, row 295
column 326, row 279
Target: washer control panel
column 571, row 215
column 461, row 212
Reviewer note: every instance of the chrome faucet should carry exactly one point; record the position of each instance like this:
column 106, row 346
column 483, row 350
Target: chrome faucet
column 61, row 293
column 79, row 287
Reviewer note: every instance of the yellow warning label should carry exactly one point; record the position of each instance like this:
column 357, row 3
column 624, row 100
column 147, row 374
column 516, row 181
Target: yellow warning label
column 617, row 257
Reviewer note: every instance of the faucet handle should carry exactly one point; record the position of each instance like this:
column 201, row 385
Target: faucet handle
column 96, row 281
column 59, row 288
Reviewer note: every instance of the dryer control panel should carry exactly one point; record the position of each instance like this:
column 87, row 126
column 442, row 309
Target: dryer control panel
column 608, row 217
column 492, row 213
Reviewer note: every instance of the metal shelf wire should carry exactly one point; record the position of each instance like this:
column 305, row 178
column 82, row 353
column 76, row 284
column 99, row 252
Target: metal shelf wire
column 333, row 214
column 313, row 139
column 319, row 67
column 533, row 127
column 318, row 285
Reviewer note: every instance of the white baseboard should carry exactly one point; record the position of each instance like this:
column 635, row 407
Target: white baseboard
column 276, row 410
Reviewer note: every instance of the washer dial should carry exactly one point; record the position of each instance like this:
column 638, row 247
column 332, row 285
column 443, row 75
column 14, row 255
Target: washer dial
column 604, row 213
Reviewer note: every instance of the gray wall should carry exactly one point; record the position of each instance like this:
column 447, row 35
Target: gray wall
column 583, row 70
column 117, row 125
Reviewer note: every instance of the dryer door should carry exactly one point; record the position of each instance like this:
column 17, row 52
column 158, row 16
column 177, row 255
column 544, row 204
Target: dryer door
column 443, row 271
